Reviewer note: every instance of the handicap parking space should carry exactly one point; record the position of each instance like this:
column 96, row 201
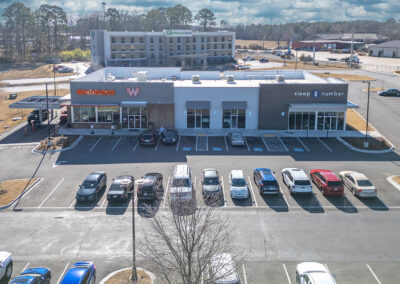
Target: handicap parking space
column 255, row 144
column 187, row 144
column 217, row 145
column 295, row 144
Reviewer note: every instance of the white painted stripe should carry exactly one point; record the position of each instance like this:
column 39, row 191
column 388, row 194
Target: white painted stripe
column 226, row 144
column 91, row 149
column 104, row 201
column 284, row 197
column 177, row 144
column 326, row 146
column 247, row 144
column 62, row 274
column 251, row 188
column 373, row 274
column 158, row 142
column 32, row 187
column 166, row 193
column 223, row 193
column 25, row 267
column 72, row 204
column 304, row 145
column 265, row 143
column 244, row 274
column 327, row 268
column 283, row 143
column 116, row 144
column 134, row 148
column 54, row 189
column 287, row 274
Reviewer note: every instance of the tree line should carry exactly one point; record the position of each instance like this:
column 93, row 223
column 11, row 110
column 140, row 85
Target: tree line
column 43, row 33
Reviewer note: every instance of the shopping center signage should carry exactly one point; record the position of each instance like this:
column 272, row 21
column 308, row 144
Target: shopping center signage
column 133, row 91
column 316, row 94
column 95, row 92
column 177, row 33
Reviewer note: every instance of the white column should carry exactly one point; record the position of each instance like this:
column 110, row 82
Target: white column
column 344, row 118
column 72, row 114
column 97, row 115
column 120, row 115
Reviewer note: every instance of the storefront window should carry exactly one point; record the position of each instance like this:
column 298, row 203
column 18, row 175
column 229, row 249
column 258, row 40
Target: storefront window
column 190, row 118
column 84, row 114
column 320, row 123
column 301, row 120
column 340, row 121
column 198, row 118
column 109, row 114
column 330, row 121
column 234, row 118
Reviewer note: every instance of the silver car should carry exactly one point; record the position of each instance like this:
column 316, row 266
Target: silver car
column 358, row 184
column 236, row 139
column 210, row 183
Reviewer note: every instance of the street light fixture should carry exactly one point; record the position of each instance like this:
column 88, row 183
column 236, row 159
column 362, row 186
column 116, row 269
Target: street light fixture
column 366, row 126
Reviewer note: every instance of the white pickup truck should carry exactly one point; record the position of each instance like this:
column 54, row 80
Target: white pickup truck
column 6, row 265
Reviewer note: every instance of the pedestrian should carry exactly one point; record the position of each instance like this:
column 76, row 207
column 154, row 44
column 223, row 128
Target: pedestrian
column 161, row 130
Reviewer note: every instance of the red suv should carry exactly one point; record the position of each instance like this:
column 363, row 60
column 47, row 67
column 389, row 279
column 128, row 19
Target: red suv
column 327, row 182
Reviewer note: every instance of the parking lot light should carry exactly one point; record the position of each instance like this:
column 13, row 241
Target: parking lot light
column 366, row 142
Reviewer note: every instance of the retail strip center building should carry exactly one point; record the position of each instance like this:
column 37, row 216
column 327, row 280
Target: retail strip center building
column 146, row 98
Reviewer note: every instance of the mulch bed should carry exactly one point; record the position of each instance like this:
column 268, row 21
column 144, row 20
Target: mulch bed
column 124, row 277
column 375, row 143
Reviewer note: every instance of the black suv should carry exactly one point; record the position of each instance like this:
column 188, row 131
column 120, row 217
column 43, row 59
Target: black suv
column 88, row 191
column 121, row 188
column 34, row 115
column 148, row 138
column 151, row 187
column 170, row 136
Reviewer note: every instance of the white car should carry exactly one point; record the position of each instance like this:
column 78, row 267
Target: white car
column 313, row 273
column 6, row 265
column 223, row 269
column 296, row 180
column 238, row 185
column 358, row 184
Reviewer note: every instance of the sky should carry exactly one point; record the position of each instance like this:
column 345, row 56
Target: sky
column 244, row 11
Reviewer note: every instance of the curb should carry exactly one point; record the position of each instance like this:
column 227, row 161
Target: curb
column 395, row 184
column 73, row 145
column 348, row 145
column 22, row 193
column 12, row 129
column 105, row 279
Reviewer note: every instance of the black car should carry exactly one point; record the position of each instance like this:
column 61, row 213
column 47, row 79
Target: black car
column 389, row 92
column 170, row 136
column 34, row 115
column 121, row 188
column 151, row 186
column 148, row 138
column 263, row 60
column 88, row 191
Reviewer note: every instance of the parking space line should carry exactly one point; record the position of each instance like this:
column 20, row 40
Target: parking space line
column 158, row 143
column 326, row 146
column 244, row 274
column 32, row 187
column 134, row 148
column 223, row 194
column 25, row 267
column 247, row 144
column 251, row 188
column 116, row 144
column 177, row 144
column 166, row 193
column 54, row 189
column 265, row 143
column 91, row 149
column 103, row 201
column 72, row 204
column 287, row 203
column 62, row 274
column 287, row 274
column 373, row 274
column 304, row 145
column 226, row 144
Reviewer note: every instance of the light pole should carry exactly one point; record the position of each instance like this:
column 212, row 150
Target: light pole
column 138, row 182
column 54, row 75
column 366, row 126
column 104, row 14
column 48, row 112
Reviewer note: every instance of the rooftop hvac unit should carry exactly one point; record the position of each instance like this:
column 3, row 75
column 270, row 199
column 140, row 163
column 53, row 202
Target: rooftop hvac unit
column 140, row 75
column 196, row 79
column 230, row 79
column 279, row 78
column 110, row 77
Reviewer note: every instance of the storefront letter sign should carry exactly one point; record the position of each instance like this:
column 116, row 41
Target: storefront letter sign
column 133, row 91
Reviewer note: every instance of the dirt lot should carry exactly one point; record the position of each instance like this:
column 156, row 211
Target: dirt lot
column 124, row 277
column 7, row 114
column 354, row 121
column 45, row 71
column 267, row 43
column 9, row 190
column 347, row 77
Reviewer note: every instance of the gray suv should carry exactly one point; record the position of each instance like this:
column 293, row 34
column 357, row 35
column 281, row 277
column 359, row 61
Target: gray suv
column 211, row 184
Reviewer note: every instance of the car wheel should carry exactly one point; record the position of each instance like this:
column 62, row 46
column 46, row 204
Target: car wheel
column 9, row 270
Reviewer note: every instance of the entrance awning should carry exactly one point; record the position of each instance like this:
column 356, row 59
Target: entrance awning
column 234, row 104
column 38, row 102
column 198, row 104
column 317, row 107
column 133, row 104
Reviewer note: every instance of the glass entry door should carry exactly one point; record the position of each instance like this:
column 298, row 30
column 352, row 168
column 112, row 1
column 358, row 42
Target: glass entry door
column 134, row 117
column 134, row 121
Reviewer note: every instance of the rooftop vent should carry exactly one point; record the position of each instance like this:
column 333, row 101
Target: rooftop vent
column 173, row 78
column 110, row 77
column 140, row 75
column 196, row 79
column 230, row 79
column 279, row 78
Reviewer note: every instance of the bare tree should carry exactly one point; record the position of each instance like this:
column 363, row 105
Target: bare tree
column 183, row 243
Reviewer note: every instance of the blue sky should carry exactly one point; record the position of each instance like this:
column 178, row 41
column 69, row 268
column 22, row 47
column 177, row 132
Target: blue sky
column 246, row 11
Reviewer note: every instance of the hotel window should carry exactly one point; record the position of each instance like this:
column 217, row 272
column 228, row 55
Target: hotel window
column 215, row 39
column 194, row 39
column 123, row 55
column 160, row 40
column 302, row 121
column 208, row 46
column 202, row 39
column 230, row 45
column 194, row 47
column 223, row 39
column 198, row 118
column 113, row 48
column 170, row 40
column 178, row 47
column 113, row 40
column 208, row 39
column 132, row 39
column 142, row 55
column 113, row 56
column 109, row 114
column 151, row 40
column 187, row 39
column 202, row 47
column 234, row 118
column 132, row 47
column 123, row 47
column 122, row 40
column 222, row 46
column 215, row 46
column 141, row 40
column 179, row 40
column 84, row 114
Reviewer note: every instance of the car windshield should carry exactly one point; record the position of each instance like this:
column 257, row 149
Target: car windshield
column 270, row 183
column 170, row 133
column 88, row 184
column 181, row 183
column 118, row 186
column 335, row 183
column 238, row 182
column 147, row 136
column 302, row 182
column 211, row 181
column 237, row 136
column 364, row 182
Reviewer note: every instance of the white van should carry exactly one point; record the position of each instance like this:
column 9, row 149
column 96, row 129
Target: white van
column 182, row 185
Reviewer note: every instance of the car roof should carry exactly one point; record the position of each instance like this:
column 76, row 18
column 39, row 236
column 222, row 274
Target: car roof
column 306, row 267
column 23, row 279
column 36, row 270
column 358, row 176
column 266, row 174
column 76, row 272
column 4, row 255
column 328, row 175
column 123, row 177
column 148, row 133
column 237, row 174
column 93, row 176
column 210, row 173
column 298, row 174
column 321, row 277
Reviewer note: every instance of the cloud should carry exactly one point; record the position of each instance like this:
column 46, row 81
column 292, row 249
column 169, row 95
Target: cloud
column 244, row 11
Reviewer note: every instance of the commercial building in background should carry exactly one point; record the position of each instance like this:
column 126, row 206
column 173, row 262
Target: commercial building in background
column 325, row 44
column 387, row 49
column 176, row 48
column 146, row 98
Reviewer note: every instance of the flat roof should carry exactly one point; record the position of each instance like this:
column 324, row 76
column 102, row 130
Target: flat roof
column 39, row 102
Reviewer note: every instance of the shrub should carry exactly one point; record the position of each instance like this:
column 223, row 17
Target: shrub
column 77, row 54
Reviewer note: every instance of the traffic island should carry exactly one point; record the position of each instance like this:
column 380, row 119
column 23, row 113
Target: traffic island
column 57, row 144
column 376, row 145
column 124, row 276
column 10, row 190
